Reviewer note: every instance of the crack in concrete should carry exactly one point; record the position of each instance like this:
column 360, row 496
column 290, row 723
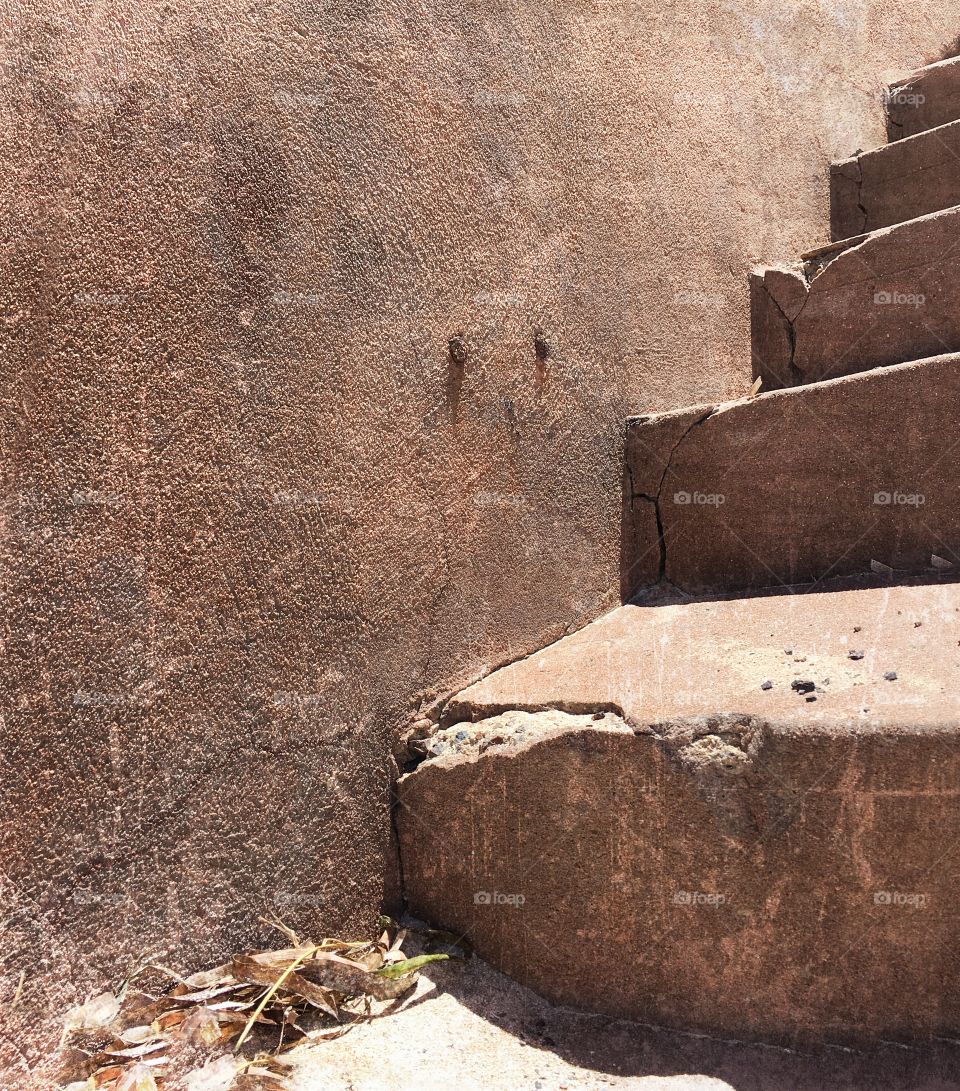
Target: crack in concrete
column 795, row 374
column 860, row 205
column 658, row 499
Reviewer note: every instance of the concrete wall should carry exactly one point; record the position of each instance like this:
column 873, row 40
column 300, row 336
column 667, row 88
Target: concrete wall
column 254, row 502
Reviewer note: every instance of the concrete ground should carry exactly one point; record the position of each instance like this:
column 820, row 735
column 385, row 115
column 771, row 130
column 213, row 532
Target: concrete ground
column 469, row 1028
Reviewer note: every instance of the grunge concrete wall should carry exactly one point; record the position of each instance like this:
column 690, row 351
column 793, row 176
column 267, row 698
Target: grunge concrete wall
column 319, row 325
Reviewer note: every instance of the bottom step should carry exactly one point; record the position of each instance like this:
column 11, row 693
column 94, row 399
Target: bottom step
column 705, row 851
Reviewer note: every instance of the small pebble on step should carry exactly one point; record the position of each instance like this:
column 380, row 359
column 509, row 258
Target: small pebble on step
column 890, row 676
column 768, row 685
column 857, row 655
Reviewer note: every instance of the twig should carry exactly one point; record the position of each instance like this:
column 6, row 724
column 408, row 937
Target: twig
column 19, row 992
column 270, row 993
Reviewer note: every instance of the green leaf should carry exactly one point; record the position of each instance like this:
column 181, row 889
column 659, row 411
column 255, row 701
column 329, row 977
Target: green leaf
column 400, row 969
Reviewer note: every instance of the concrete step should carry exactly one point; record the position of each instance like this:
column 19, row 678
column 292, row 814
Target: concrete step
column 899, row 182
column 799, row 485
column 704, row 852
column 467, row 1027
column 884, row 298
column 925, row 99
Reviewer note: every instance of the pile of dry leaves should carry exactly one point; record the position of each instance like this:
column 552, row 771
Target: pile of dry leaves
column 155, row 1035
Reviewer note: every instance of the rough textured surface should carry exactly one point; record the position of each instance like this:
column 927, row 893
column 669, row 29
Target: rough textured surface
column 808, row 483
column 777, row 296
column 890, row 298
column 674, row 662
column 899, row 182
column 924, row 99
column 320, row 322
column 468, row 1027
column 511, row 728
column 772, row 866
column 649, row 447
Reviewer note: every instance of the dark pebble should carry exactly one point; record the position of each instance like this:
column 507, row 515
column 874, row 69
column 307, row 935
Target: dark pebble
column 890, row 676
column 803, row 687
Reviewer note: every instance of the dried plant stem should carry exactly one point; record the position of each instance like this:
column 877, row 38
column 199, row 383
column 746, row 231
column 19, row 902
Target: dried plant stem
column 274, row 988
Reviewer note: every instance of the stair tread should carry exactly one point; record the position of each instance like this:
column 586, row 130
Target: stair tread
column 798, row 485
column 871, row 301
column 898, row 182
column 923, row 70
column 718, row 856
column 838, row 246
column 923, row 99
column 656, row 663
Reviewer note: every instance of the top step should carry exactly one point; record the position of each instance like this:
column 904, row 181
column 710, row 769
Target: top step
column 924, row 100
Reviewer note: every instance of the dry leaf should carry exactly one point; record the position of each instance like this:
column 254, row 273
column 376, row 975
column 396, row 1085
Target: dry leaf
column 275, row 989
column 250, row 969
column 202, row 1028
column 94, row 1014
column 218, row 1075
column 138, row 1078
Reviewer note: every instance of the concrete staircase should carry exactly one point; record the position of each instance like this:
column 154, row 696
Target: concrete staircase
column 741, row 815
column 886, row 290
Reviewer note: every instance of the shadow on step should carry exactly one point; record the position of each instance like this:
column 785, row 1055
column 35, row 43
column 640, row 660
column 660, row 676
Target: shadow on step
column 665, row 593
column 624, row 1049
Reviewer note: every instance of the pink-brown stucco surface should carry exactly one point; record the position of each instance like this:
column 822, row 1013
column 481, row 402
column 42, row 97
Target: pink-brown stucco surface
column 320, row 323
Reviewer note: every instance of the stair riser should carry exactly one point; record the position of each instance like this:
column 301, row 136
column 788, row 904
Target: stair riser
column 928, row 98
column 890, row 298
column 900, row 182
column 806, row 484
column 809, row 893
